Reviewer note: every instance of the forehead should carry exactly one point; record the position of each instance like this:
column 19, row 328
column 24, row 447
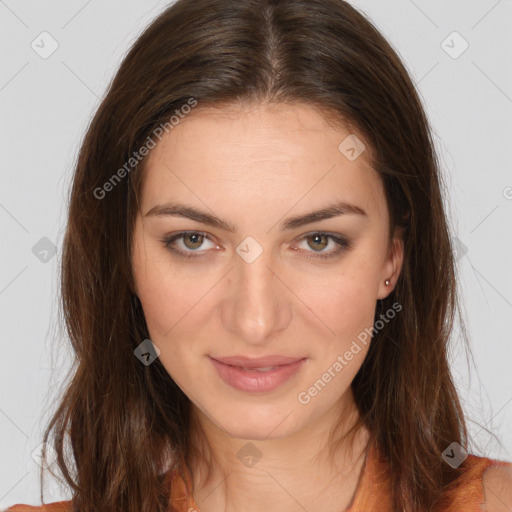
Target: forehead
column 274, row 157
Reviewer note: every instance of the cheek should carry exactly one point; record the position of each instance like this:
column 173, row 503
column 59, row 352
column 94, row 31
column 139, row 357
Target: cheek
column 164, row 294
column 344, row 300
column 168, row 304
column 167, row 301
column 346, row 304
column 349, row 312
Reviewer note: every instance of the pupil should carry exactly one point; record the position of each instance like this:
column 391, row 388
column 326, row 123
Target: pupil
column 316, row 237
column 196, row 239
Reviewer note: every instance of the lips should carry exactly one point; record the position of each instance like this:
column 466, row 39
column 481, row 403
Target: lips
column 256, row 375
column 264, row 362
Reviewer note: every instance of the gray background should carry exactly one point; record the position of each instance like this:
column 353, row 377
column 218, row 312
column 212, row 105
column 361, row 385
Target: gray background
column 46, row 105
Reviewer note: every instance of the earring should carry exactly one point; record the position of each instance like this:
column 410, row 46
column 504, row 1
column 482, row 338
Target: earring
column 386, row 282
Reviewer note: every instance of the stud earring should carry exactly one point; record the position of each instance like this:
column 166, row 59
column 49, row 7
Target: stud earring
column 386, row 282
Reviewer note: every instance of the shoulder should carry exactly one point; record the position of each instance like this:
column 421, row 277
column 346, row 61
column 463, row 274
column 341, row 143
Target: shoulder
column 57, row 506
column 483, row 484
column 497, row 483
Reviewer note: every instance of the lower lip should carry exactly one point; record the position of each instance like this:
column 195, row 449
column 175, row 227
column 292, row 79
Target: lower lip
column 254, row 381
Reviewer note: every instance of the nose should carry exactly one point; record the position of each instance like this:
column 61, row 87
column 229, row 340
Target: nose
column 258, row 304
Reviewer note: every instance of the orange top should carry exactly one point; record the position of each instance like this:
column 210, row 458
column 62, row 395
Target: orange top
column 373, row 491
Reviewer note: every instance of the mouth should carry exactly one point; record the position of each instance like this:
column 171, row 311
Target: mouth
column 268, row 368
column 257, row 362
column 257, row 375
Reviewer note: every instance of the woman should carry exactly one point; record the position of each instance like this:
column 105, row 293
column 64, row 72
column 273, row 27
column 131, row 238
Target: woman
column 258, row 279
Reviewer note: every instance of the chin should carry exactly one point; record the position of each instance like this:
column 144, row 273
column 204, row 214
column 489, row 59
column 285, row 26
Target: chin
column 257, row 422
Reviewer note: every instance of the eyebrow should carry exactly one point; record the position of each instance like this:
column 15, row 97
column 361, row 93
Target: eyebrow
column 189, row 212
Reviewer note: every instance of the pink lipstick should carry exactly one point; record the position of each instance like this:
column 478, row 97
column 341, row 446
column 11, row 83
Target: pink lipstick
column 255, row 375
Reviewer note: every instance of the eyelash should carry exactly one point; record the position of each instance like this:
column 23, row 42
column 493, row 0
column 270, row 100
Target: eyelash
column 342, row 243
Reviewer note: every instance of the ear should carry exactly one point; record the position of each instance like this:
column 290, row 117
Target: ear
column 392, row 265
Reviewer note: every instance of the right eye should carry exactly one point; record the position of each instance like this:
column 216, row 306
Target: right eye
column 190, row 241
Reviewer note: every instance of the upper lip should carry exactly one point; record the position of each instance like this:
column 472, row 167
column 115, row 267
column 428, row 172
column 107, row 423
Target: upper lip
column 257, row 362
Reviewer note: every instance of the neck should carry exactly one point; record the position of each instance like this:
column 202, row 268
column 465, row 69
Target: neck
column 317, row 466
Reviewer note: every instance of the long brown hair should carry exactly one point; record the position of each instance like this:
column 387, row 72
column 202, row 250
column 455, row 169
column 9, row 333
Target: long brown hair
column 125, row 420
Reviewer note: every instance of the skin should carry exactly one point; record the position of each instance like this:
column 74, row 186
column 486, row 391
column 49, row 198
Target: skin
column 256, row 167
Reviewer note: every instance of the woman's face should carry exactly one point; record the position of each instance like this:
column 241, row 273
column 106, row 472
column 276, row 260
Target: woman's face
column 259, row 281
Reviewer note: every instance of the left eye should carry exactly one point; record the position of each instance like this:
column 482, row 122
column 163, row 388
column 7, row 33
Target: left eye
column 190, row 241
column 321, row 240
